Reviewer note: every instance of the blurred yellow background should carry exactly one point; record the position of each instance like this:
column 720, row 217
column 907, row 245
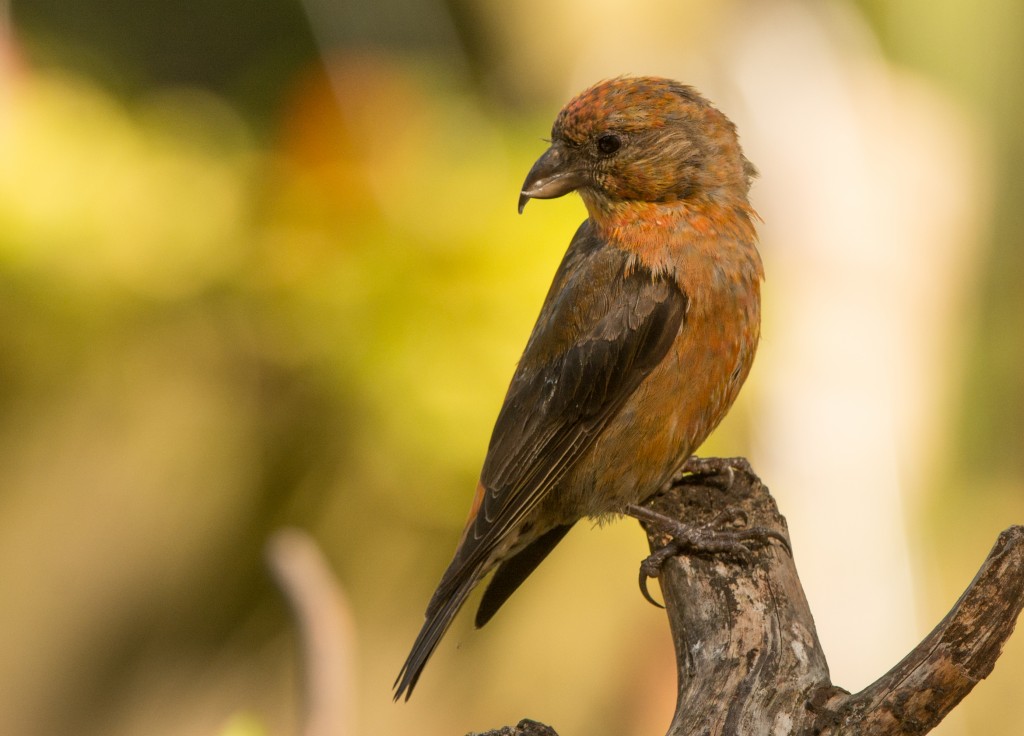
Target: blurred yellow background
column 260, row 267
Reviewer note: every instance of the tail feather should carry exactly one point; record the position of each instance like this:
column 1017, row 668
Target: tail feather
column 439, row 617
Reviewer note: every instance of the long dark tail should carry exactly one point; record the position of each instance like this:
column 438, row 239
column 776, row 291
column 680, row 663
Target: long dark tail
column 456, row 584
column 446, row 602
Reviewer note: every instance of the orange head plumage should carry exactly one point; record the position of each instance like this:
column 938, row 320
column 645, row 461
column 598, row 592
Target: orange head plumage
column 642, row 140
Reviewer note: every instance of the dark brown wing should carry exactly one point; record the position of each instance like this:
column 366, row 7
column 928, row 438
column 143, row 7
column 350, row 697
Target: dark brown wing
column 603, row 328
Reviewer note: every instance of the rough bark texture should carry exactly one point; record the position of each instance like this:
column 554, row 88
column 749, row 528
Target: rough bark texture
column 749, row 660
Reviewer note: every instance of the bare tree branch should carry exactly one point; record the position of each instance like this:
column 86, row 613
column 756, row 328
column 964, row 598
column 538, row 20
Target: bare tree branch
column 961, row 651
column 748, row 656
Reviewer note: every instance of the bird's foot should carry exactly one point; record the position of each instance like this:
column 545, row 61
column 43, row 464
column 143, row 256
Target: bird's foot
column 719, row 537
column 720, row 471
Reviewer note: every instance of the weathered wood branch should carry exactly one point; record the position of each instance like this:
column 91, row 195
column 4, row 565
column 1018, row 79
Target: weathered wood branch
column 748, row 656
column 960, row 651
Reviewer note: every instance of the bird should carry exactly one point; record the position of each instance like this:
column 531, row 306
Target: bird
column 643, row 341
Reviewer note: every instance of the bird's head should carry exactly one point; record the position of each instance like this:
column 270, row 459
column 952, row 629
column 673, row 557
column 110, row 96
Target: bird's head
column 639, row 139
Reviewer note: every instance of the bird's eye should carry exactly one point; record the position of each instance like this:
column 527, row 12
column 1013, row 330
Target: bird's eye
column 608, row 144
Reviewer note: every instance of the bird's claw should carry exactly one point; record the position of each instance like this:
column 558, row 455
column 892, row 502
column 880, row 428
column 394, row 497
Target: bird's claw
column 721, row 470
column 650, row 567
column 731, row 516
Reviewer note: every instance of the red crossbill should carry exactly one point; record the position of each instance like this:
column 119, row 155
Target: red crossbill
column 645, row 337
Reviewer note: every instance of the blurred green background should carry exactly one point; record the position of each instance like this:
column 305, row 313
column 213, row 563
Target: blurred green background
column 260, row 266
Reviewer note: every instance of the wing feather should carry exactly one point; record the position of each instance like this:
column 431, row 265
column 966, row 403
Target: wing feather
column 571, row 382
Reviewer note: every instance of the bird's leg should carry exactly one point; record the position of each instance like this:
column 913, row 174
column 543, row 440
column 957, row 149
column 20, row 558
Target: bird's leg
column 712, row 538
